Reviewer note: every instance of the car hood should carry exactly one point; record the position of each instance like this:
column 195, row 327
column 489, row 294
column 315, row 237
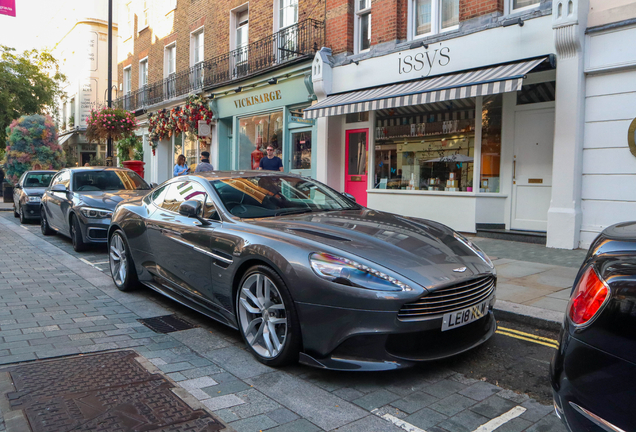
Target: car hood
column 426, row 252
column 109, row 200
column 34, row 191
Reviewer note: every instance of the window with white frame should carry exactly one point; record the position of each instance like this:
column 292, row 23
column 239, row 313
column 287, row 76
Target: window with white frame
column 144, row 14
column 129, row 17
column 515, row 5
column 362, row 25
column 170, row 60
column 127, row 80
column 143, row 72
column 239, row 30
column 287, row 13
column 242, row 29
column 196, row 47
column 432, row 16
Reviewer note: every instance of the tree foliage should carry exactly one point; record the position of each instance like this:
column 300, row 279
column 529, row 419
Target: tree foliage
column 29, row 84
column 32, row 144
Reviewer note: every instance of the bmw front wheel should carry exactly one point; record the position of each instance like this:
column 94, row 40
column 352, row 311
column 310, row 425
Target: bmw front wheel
column 267, row 317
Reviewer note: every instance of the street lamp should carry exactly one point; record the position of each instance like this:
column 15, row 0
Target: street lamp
column 109, row 143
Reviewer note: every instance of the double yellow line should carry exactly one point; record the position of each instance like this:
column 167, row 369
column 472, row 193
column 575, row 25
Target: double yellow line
column 528, row 337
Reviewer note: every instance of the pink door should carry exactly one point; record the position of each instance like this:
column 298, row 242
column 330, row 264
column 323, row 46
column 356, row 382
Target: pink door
column 356, row 148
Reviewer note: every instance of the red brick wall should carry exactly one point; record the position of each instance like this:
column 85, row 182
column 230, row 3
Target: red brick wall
column 339, row 25
column 473, row 8
column 213, row 15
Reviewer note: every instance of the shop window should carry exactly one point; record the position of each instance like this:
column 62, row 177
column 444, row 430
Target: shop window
column 431, row 150
column 433, row 16
column 187, row 145
column 255, row 134
column 301, row 150
column 490, row 144
column 363, row 25
column 537, row 93
column 357, row 117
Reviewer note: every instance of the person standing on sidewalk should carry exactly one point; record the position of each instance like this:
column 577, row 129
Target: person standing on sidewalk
column 205, row 164
column 180, row 168
column 271, row 162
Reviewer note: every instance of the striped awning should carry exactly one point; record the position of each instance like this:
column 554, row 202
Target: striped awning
column 479, row 82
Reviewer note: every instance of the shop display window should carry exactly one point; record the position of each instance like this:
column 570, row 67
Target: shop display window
column 490, row 144
column 301, row 150
column 428, row 147
column 255, row 134
column 187, row 144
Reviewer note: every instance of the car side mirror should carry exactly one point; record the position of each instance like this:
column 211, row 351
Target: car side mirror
column 192, row 209
column 59, row 188
column 349, row 196
column 17, row 186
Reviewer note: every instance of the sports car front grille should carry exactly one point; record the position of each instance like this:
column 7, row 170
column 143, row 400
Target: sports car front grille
column 448, row 299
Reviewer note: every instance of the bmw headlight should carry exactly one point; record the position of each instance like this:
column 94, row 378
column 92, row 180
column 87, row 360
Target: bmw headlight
column 96, row 213
column 348, row 272
column 472, row 246
column 34, row 199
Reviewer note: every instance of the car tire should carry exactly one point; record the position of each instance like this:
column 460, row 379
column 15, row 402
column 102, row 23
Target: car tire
column 122, row 267
column 264, row 308
column 23, row 219
column 44, row 224
column 76, row 235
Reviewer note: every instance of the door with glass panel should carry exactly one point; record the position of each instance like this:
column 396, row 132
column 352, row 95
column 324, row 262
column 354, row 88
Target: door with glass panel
column 356, row 149
column 301, row 152
column 532, row 169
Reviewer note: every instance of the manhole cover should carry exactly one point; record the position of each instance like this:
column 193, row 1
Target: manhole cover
column 102, row 392
column 166, row 324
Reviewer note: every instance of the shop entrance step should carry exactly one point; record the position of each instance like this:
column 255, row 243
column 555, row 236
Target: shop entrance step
column 536, row 237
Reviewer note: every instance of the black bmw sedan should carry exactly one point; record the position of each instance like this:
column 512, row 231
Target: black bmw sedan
column 80, row 201
column 304, row 273
column 593, row 373
column 28, row 193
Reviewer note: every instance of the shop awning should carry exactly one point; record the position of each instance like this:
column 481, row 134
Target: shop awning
column 479, row 82
column 61, row 140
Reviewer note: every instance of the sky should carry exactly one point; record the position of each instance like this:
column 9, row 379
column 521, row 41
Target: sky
column 36, row 24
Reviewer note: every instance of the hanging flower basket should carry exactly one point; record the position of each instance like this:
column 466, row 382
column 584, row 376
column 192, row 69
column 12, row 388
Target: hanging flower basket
column 112, row 123
column 166, row 123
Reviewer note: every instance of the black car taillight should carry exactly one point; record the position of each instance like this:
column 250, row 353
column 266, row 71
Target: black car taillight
column 590, row 294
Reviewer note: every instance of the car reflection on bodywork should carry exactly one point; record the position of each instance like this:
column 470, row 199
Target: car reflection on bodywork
column 304, row 273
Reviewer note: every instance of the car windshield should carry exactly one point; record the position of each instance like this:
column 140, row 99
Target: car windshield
column 272, row 195
column 38, row 179
column 107, row 181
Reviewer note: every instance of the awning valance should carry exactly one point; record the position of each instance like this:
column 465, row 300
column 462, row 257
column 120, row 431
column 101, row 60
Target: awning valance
column 479, row 82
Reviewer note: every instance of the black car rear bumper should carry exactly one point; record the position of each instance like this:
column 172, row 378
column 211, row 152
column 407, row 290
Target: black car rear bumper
column 592, row 387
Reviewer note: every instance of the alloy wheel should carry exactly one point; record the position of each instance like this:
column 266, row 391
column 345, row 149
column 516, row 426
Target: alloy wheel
column 262, row 315
column 118, row 262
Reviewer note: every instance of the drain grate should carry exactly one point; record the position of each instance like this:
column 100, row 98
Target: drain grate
column 102, row 392
column 166, row 324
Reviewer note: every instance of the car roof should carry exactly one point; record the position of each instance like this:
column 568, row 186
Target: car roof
column 222, row 175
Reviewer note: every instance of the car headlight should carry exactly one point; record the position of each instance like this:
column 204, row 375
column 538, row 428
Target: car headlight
column 472, row 246
column 96, row 213
column 35, row 199
column 348, row 272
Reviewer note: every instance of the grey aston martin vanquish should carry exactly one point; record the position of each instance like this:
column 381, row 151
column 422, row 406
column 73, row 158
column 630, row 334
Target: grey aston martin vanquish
column 304, row 272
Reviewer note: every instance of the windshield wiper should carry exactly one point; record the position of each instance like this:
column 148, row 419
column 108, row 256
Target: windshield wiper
column 289, row 212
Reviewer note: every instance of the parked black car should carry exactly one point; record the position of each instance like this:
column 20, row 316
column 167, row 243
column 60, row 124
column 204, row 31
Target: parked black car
column 80, row 201
column 28, row 193
column 593, row 373
column 304, row 272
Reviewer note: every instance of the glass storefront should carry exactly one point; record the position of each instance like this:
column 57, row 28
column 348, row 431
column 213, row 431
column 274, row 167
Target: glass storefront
column 255, row 134
column 301, row 150
column 490, row 143
column 187, row 144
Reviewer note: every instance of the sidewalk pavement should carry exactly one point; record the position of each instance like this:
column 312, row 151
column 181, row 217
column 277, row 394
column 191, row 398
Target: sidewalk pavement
column 6, row 206
column 52, row 305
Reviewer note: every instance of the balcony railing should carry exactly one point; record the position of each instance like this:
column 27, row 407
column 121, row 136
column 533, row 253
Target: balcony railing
column 286, row 46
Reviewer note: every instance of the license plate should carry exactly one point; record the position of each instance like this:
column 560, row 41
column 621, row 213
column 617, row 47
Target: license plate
column 465, row 316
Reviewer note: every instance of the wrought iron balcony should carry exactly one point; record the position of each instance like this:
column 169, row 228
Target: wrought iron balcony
column 289, row 45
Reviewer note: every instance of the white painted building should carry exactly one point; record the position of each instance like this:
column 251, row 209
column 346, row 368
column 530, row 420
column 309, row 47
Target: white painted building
column 517, row 127
column 81, row 31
